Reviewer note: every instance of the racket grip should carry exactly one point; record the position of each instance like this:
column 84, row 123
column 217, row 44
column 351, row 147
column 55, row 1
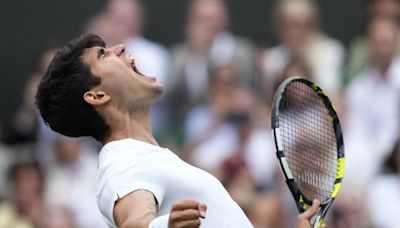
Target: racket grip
column 318, row 221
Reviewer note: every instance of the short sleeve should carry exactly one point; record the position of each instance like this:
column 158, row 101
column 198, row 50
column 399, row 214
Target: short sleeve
column 142, row 176
column 120, row 184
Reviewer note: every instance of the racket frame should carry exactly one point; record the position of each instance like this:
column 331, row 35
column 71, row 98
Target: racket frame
column 302, row 202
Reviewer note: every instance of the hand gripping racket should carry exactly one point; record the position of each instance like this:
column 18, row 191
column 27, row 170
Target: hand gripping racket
column 309, row 144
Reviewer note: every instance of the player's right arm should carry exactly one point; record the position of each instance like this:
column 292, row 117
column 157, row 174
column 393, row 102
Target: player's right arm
column 138, row 210
column 135, row 210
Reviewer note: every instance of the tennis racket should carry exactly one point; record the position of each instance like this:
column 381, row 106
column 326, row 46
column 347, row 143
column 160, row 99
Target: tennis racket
column 309, row 144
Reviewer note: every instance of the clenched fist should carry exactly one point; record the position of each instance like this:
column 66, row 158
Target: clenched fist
column 186, row 214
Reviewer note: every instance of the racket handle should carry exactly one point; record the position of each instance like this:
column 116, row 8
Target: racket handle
column 318, row 221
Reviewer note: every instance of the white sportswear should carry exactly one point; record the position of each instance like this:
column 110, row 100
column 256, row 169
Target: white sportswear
column 128, row 165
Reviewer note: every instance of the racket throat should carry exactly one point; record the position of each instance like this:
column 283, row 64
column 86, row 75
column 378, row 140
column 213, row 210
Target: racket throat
column 301, row 202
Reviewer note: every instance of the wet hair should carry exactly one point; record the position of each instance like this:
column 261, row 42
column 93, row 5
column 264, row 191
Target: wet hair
column 60, row 93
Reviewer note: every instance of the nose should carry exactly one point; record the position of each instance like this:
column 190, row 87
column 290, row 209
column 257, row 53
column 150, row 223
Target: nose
column 117, row 49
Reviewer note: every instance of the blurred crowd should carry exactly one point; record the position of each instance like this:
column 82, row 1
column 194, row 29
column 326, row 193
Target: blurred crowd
column 215, row 114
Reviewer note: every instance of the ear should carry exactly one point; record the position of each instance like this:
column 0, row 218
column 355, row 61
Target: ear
column 96, row 98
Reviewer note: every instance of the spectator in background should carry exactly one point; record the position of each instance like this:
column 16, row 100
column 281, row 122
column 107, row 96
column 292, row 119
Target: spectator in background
column 228, row 139
column 209, row 117
column 267, row 211
column 126, row 18
column 71, row 181
column 26, row 193
column 27, row 130
column 358, row 54
column 386, row 8
column 24, row 128
column 101, row 25
column 372, row 103
column 297, row 26
column 385, row 191
column 224, row 137
column 7, row 157
column 208, row 44
column 10, row 218
column 350, row 210
column 295, row 67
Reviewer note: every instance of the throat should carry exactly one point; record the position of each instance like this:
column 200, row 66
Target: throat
column 135, row 126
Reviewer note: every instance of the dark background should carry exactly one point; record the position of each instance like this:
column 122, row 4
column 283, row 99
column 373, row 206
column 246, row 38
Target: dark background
column 29, row 26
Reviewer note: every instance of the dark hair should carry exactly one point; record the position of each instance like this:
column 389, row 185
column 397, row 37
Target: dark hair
column 60, row 93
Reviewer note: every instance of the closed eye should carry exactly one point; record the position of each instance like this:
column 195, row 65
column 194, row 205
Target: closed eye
column 101, row 53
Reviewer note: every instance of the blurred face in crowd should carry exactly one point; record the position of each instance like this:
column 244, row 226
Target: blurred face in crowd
column 387, row 8
column 296, row 22
column 223, row 79
column 296, row 68
column 382, row 41
column 240, row 115
column 103, row 27
column 27, row 186
column 205, row 20
column 222, row 86
column 121, row 83
column 124, row 19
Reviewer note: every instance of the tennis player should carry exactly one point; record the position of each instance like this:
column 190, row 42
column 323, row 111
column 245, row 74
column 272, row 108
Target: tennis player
column 89, row 90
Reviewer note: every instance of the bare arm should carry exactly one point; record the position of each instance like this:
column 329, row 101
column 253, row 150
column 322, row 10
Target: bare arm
column 135, row 210
column 138, row 209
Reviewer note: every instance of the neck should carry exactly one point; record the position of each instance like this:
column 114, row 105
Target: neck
column 127, row 125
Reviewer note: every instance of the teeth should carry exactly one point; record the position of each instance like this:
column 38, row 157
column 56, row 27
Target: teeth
column 132, row 60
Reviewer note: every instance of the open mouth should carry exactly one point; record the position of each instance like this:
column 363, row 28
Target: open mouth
column 133, row 65
column 132, row 62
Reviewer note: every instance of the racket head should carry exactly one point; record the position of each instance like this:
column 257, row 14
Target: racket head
column 308, row 141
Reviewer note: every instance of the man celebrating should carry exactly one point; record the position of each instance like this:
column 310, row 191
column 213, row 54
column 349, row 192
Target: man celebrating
column 89, row 90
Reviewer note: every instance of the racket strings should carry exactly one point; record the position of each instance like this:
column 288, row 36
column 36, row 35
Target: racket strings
column 308, row 140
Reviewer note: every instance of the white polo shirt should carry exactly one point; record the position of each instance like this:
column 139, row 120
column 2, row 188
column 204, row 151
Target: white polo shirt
column 128, row 165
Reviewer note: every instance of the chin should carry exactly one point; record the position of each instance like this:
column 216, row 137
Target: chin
column 156, row 92
column 159, row 91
